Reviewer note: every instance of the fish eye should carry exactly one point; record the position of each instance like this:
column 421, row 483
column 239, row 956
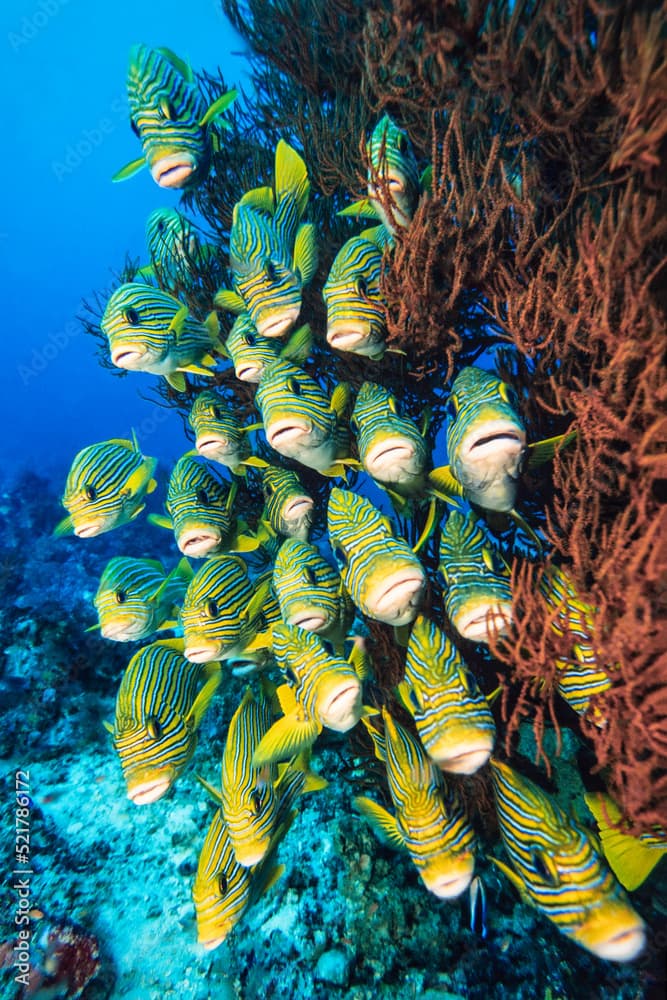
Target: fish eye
column 268, row 490
column 160, row 226
column 212, row 609
column 361, row 287
column 135, row 128
column 203, row 498
column 154, row 728
column 167, row 109
column 414, row 700
column 249, row 338
column 270, row 269
column 293, row 385
column 132, row 317
column 256, row 799
column 91, row 493
column 312, row 578
column 340, row 555
column 121, row 596
column 222, row 884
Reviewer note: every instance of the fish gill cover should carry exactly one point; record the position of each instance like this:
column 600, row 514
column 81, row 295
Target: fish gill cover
column 508, row 162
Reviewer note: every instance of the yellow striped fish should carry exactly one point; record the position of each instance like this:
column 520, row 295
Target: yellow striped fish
column 477, row 592
column 356, row 317
column 222, row 611
column 382, row 575
column 453, row 719
column 300, row 422
column 322, row 690
column 430, row 821
column 218, row 435
column 151, row 331
column 392, row 449
column 288, row 508
column 555, row 866
column 272, row 254
column 250, row 353
column 170, row 117
column 161, row 701
column 175, row 250
column 310, row 593
column 135, row 597
column 105, row 488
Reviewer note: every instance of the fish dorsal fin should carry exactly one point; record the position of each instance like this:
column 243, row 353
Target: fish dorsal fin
column 380, row 819
column 218, row 106
column 183, row 67
column 287, row 737
column 213, row 673
column 360, row 209
column 228, row 300
column 261, row 198
column 630, row 860
column 291, row 177
column 305, row 252
column 543, row 451
column 129, row 170
column 340, row 398
column 378, row 740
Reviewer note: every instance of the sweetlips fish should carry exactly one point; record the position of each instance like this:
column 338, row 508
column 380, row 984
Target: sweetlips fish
column 174, row 247
column 135, row 597
column 356, row 318
column 151, row 331
column 250, row 353
column 218, row 434
column 556, row 867
column 105, row 487
column 161, row 701
column 430, row 820
column 223, row 610
column 287, row 506
column 631, row 858
column 486, row 444
column 383, row 576
column 392, row 449
column 477, row 592
column 322, row 690
column 310, row 593
column 453, row 719
column 272, row 254
column 300, row 422
column 200, row 512
column 170, row 117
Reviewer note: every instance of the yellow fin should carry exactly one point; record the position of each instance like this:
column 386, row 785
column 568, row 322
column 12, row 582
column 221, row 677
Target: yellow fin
column 291, row 176
column 255, row 462
column 217, row 108
column 160, row 521
column 261, row 198
column 516, row 881
column 93, row 628
column 64, row 527
column 525, row 527
column 340, row 398
column 543, row 451
column 177, row 381
column 228, row 300
column 360, row 209
column 213, row 792
column 141, row 478
column 179, row 64
column 263, row 640
column 359, row 660
column 426, row 179
column 298, row 346
column 286, row 737
column 376, row 234
column 443, row 483
column 178, row 321
column 380, row 819
column 629, row 859
column 285, row 697
column 194, row 369
column 129, row 170
column 429, row 525
column 214, row 675
column 402, row 634
column 305, row 252
column 109, row 728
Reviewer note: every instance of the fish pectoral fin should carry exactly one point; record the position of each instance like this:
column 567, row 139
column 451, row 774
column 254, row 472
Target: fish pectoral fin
column 363, row 208
column 426, row 179
column 380, row 819
column 359, row 659
column 194, row 369
column 218, row 106
column 526, row 528
column 177, row 381
column 212, row 327
column 205, row 696
column 515, row 879
column 340, row 398
column 263, row 640
column 543, row 451
column 178, row 321
column 444, row 485
column 264, row 878
column 429, row 526
column 129, row 170
column 286, row 737
column 109, row 728
column 160, row 521
column 244, row 543
column 140, row 480
column 402, row 634
column 64, row 527
column 254, row 461
column 210, row 789
column 298, row 345
column 630, row 860
column 228, row 300
column 402, row 691
column 305, row 252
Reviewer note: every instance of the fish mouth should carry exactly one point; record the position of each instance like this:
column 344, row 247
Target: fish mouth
column 346, row 336
column 341, row 708
column 248, row 855
column 466, row 761
column 395, row 599
column 485, row 621
column 297, row 508
column 496, row 436
column 123, row 632
column 286, row 432
column 89, row 529
column 146, row 792
column 201, row 652
column 310, row 620
column 210, row 943
column 621, row 947
column 198, row 543
column 213, row 445
column 127, row 357
column 276, row 326
column 173, row 171
column 450, row 886
column 249, row 373
column 391, row 456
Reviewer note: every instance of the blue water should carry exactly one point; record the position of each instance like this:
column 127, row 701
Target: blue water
column 65, row 227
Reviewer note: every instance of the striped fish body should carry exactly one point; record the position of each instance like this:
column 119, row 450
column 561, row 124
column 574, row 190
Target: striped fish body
column 199, row 505
column 382, row 575
column 356, row 319
column 105, row 487
column 300, row 422
column 218, row 435
column 453, row 719
column 580, row 677
column 393, row 175
column 288, row 507
column 174, row 247
column 557, row 867
column 249, row 351
column 430, row 820
column 149, row 330
column 486, row 439
column 310, row 593
column 154, row 735
column 477, row 594
column 166, row 111
column 213, row 607
column 249, row 800
column 135, row 597
column 327, row 687
column 391, row 448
